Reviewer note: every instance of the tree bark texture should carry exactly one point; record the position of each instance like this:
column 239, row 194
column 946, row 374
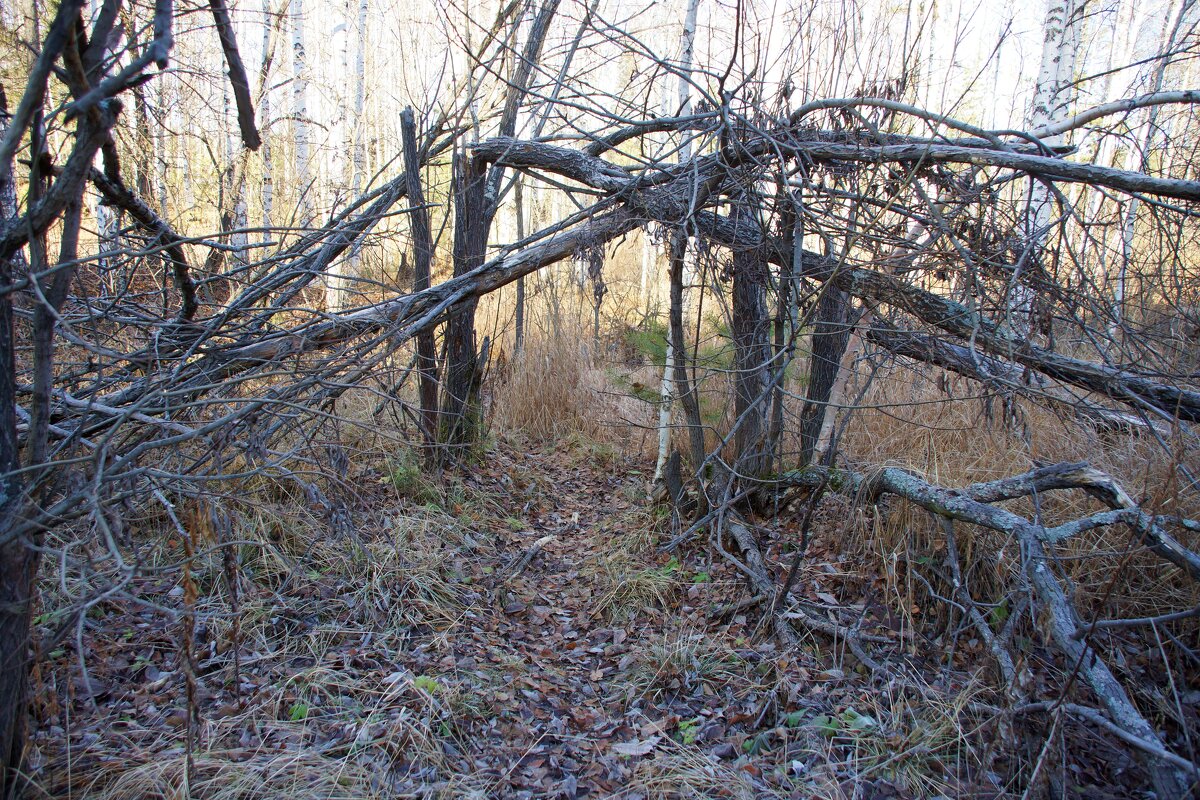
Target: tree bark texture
column 750, row 327
column 422, row 235
column 831, row 334
column 684, row 390
column 472, row 218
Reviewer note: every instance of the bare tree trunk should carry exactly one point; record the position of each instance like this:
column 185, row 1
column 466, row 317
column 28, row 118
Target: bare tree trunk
column 20, row 555
column 343, row 273
column 683, row 388
column 160, row 146
column 829, row 340
column 235, row 189
column 1054, row 95
column 1172, row 27
column 459, row 424
column 519, row 210
column 268, row 183
column 17, row 567
column 16, row 557
column 646, row 272
column 751, row 355
column 476, row 191
column 422, row 260
column 787, row 315
column 300, row 135
column 676, row 366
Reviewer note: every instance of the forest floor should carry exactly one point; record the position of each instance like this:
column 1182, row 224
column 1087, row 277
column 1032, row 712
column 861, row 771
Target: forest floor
column 514, row 632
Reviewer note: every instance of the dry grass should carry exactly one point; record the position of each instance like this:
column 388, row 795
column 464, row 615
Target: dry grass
column 908, row 420
column 550, row 391
column 915, row 740
column 683, row 661
column 684, row 773
column 314, row 728
column 632, row 587
column 905, row 738
column 233, row 776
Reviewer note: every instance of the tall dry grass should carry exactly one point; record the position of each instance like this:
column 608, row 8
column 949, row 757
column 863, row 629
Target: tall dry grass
column 550, row 389
column 954, row 434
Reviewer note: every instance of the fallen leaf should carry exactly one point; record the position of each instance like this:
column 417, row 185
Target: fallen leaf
column 636, row 747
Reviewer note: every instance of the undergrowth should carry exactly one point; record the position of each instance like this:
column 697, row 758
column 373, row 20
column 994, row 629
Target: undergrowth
column 394, row 629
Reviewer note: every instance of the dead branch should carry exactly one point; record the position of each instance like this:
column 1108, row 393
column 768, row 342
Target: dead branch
column 1065, row 626
column 237, row 75
column 118, row 195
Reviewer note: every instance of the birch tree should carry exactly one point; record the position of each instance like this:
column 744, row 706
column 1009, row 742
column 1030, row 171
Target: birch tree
column 267, row 192
column 1181, row 14
column 1053, row 97
column 300, row 120
column 675, row 381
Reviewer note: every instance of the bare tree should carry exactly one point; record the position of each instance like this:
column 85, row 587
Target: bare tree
column 859, row 215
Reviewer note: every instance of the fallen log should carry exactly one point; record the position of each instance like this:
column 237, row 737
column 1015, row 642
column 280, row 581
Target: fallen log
column 997, row 372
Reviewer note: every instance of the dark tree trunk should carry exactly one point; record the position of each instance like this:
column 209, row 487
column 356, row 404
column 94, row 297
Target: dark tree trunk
column 20, row 557
column 786, row 311
column 16, row 557
column 16, row 562
column 422, row 279
column 472, row 218
column 751, row 353
column 830, row 338
column 17, row 568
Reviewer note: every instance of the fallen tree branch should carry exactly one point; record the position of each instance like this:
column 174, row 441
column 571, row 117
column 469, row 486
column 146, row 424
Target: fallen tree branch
column 1014, row 677
column 669, row 203
column 1063, row 622
column 756, row 571
column 1123, row 385
column 1188, row 96
column 995, row 371
column 1042, row 166
column 118, row 195
column 1109, row 624
column 1147, row 746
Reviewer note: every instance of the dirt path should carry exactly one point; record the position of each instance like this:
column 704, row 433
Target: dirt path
column 519, row 637
column 551, row 633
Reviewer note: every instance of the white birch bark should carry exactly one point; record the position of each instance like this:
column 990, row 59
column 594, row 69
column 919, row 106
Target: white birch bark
column 236, row 195
column 1173, row 24
column 340, row 273
column 160, row 145
column 687, row 47
column 267, row 196
column 300, row 129
column 1053, row 96
column 1121, row 38
column 358, row 157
